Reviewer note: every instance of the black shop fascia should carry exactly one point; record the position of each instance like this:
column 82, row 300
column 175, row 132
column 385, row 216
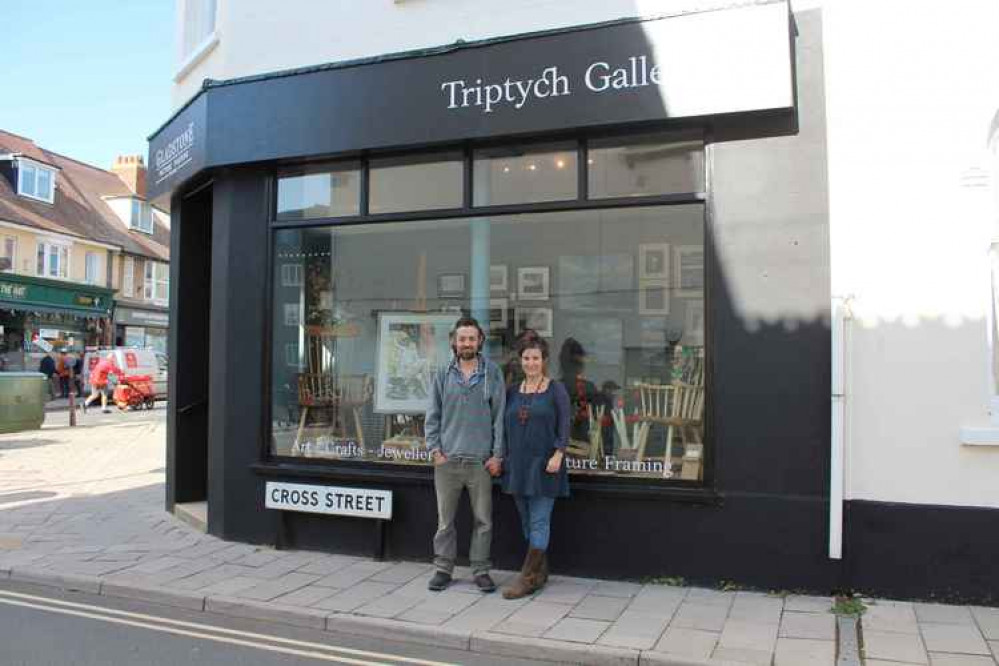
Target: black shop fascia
column 331, row 223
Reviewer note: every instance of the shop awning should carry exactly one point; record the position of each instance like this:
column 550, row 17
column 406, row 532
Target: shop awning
column 34, row 294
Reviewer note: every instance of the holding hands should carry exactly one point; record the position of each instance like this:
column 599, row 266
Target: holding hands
column 555, row 462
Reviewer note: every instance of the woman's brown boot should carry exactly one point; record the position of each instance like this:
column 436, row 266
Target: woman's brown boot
column 528, row 580
column 543, row 573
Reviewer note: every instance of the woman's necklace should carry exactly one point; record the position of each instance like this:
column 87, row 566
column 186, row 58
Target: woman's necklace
column 524, row 412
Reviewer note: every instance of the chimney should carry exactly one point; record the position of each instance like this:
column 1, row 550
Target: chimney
column 131, row 169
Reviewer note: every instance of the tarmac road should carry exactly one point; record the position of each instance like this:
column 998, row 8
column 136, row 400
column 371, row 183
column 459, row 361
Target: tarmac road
column 44, row 627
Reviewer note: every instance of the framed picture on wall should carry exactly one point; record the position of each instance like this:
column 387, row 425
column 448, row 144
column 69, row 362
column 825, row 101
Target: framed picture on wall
column 451, row 285
column 653, row 261
column 539, row 319
column 410, row 345
column 291, row 355
column 292, row 314
column 693, row 323
column 498, row 308
column 533, row 283
column 499, row 278
column 653, row 297
column 688, row 271
column 291, row 275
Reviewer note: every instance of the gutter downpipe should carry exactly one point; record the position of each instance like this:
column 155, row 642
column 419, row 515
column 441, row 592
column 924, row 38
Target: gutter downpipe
column 837, row 463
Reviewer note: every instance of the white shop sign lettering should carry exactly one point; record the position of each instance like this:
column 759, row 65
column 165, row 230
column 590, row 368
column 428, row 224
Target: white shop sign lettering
column 332, row 500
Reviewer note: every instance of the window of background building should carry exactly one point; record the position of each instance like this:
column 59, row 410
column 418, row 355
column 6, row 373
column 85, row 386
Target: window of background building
column 8, row 258
column 35, row 181
column 156, row 287
column 91, row 268
column 128, row 278
column 198, row 26
column 141, row 217
column 52, row 260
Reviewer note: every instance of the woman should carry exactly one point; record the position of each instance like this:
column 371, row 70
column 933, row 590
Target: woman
column 537, row 430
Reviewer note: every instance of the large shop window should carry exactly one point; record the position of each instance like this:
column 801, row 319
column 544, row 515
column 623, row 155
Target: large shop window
column 362, row 314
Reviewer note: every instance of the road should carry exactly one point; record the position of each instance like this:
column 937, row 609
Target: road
column 94, row 416
column 44, row 627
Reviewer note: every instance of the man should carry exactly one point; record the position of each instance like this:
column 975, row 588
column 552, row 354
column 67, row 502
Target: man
column 47, row 367
column 63, row 368
column 464, row 429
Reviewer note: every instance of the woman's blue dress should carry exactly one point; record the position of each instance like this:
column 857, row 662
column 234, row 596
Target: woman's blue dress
column 531, row 444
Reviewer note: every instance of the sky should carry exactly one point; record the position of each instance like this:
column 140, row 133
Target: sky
column 87, row 79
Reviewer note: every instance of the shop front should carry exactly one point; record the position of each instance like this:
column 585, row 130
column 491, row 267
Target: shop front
column 141, row 327
column 638, row 193
column 39, row 316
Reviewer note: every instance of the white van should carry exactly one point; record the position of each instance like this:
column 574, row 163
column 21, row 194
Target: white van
column 132, row 361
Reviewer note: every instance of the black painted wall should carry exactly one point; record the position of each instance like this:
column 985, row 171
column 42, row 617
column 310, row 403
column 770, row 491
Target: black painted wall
column 190, row 299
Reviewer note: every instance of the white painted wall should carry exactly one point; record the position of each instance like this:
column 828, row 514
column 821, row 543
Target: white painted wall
column 257, row 36
column 910, row 91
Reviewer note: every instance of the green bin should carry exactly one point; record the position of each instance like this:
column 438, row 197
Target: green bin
column 22, row 401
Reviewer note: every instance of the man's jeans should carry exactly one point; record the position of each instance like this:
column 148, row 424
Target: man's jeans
column 535, row 519
column 449, row 479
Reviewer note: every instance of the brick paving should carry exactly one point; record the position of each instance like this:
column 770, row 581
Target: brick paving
column 82, row 508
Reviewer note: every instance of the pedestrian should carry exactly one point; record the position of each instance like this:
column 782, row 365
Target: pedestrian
column 47, row 367
column 464, row 429
column 77, row 374
column 99, row 381
column 63, row 368
column 534, row 471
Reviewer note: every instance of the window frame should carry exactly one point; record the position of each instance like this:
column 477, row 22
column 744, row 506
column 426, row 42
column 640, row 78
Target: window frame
column 692, row 491
column 91, row 259
column 12, row 240
column 151, row 282
column 128, row 277
column 61, row 253
column 37, row 169
column 191, row 49
column 138, row 212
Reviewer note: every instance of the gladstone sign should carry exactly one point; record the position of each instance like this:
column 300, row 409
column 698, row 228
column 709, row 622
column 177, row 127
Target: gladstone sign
column 333, row 500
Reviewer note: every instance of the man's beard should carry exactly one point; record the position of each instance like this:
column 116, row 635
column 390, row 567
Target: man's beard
column 467, row 354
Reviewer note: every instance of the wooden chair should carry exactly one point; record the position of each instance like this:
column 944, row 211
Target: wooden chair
column 320, row 387
column 343, row 396
column 679, row 406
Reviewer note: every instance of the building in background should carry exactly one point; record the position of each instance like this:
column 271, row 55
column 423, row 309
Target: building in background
column 84, row 255
column 785, row 209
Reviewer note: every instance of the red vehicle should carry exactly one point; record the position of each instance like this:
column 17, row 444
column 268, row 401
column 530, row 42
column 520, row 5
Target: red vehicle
column 134, row 392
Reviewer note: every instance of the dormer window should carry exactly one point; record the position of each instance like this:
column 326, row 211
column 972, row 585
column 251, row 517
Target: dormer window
column 142, row 216
column 35, row 181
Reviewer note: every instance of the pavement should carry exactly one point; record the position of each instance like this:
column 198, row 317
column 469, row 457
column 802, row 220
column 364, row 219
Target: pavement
column 82, row 509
